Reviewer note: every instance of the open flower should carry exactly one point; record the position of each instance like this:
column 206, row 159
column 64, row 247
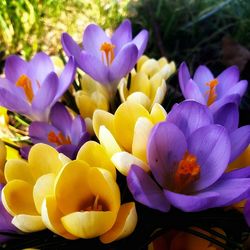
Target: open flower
column 209, row 90
column 106, row 59
column 125, row 134
column 147, row 84
column 95, row 209
column 67, row 135
column 31, row 88
column 188, row 156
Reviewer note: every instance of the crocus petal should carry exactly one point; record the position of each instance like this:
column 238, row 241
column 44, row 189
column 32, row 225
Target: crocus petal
column 46, row 93
column 240, row 139
column 122, row 35
column 61, row 118
column 125, row 224
column 145, row 190
column 227, row 79
column 93, row 38
column 66, row 78
column 13, row 102
column 2, row 156
column 158, row 113
column 166, row 146
column 70, row 47
column 184, row 76
column 124, row 160
column 247, row 212
column 191, row 203
column 28, row 223
column 78, row 127
column 211, row 145
column 49, row 164
column 15, row 67
column 237, row 173
column 139, row 98
column 188, row 116
column 93, row 67
column 39, row 67
column 239, row 88
column 141, row 41
column 192, row 91
column 68, row 150
column 123, row 62
column 94, row 153
column 202, row 76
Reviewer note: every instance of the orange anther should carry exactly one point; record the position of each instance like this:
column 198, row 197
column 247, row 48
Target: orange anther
column 108, row 49
column 25, row 83
column 211, row 92
column 59, row 139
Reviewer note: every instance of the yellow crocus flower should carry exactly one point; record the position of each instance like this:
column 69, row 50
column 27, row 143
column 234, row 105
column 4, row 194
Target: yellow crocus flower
column 147, row 84
column 124, row 135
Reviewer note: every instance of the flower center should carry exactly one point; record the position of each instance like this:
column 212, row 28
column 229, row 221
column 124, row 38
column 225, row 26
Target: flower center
column 108, row 51
column 211, row 92
column 25, row 83
column 187, row 172
column 96, row 206
column 59, row 139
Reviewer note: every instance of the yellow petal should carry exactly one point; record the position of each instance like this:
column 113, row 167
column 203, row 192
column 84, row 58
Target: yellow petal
column 124, row 160
column 150, row 67
column 28, row 223
column 64, row 159
column 140, row 83
column 162, row 61
column 140, row 98
column 158, row 113
column 17, row 198
column 89, row 126
column 123, row 91
column 18, row 169
column 43, row 159
column 160, row 93
column 141, row 61
column 125, row 118
column 95, row 155
column 100, row 118
column 108, row 141
column 88, row 224
column 156, row 82
column 85, row 104
column 12, row 153
column 3, row 154
column 71, row 189
column 51, row 216
column 125, row 224
column 143, row 128
column 44, row 187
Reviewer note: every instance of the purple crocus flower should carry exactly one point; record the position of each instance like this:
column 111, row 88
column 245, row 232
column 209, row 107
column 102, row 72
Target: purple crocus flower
column 106, row 59
column 188, row 156
column 67, row 135
column 209, row 90
column 31, row 88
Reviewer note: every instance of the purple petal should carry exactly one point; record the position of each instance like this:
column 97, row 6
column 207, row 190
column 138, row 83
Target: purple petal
column 46, row 94
column 78, row 127
column 227, row 116
column 15, row 67
column 239, row 88
column 13, row 102
column 24, row 152
column 61, row 118
column 247, row 212
column 122, row 35
column 123, row 62
column 141, row 41
column 93, row 67
column 211, row 146
column 237, row 173
column 66, row 78
column 69, row 150
column 202, row 76
column 188, row 116
column 145, row 190
column 70, row 47
column 192, row 91
column 93, row 38
column 230, row 191
column 39, row 67
column 15, row 90
column 240, row 139
column 166, row 147
column 191, row 203
column 184, row 76
column 38, row 132
column 227, row 79
column 84, row 138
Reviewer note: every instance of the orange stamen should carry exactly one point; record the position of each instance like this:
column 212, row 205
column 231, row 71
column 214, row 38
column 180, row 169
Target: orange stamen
column 211, row 92
column 108, row 49
column 187, row 172
column 59, row 139
column 95, row 206
column 25, row 83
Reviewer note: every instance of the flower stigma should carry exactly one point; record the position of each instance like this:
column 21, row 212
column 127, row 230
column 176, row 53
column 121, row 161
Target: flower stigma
column 211, row 92
column 95, row 206
column 108, row 50
column 25, row 83
column 59, row 139
column 187, row 172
